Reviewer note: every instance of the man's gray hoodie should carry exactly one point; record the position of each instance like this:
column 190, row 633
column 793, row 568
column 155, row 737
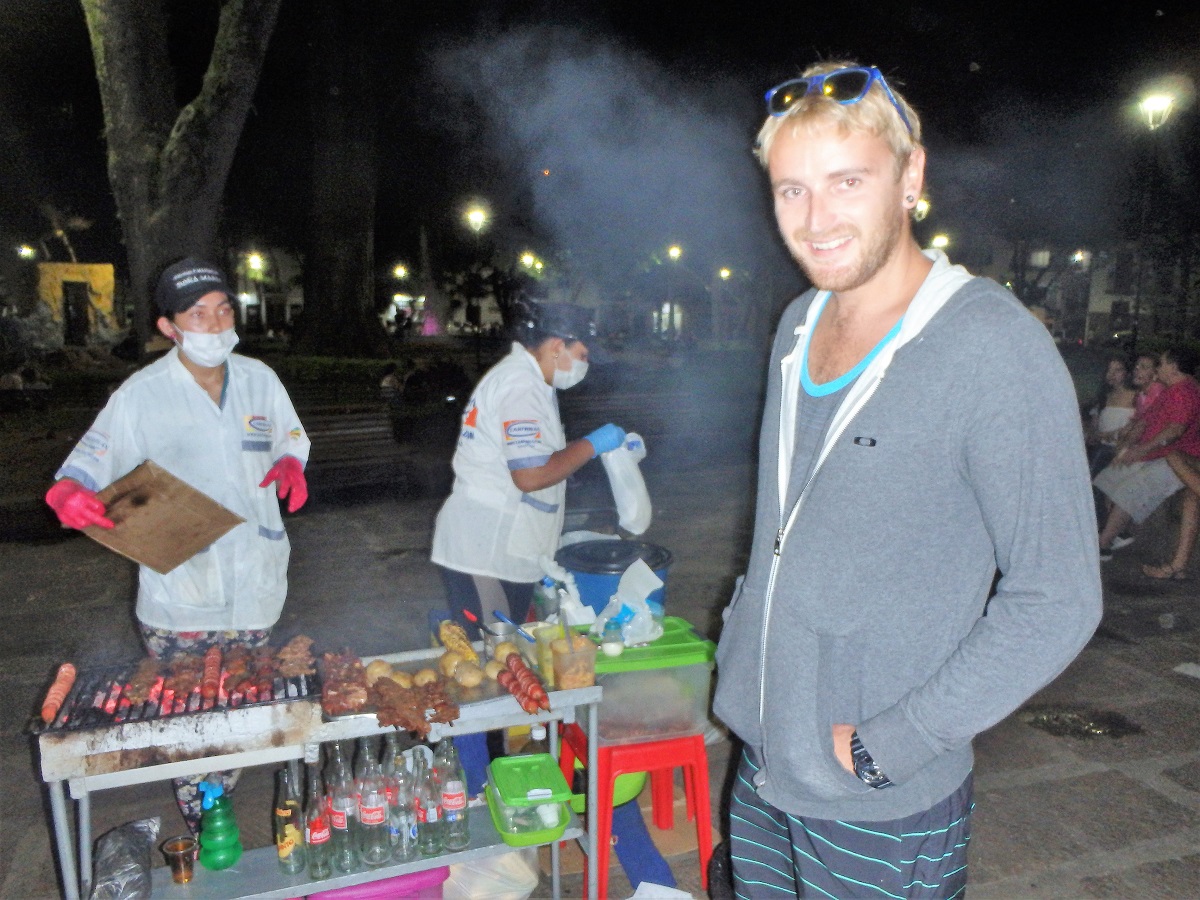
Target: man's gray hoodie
column 956, row 453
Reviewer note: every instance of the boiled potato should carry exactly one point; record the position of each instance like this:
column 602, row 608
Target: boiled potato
column 402, row 678
column 449, row 661
column 504, row 649
column 493, row 668
column 423, row 677
column 378, row 669
column 468, row 674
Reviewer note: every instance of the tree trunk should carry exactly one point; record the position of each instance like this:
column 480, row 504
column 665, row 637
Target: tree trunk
column 168, row 166
column 339, row 274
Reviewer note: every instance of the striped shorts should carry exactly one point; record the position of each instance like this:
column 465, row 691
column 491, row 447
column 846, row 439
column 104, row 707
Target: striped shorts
column 779, row 855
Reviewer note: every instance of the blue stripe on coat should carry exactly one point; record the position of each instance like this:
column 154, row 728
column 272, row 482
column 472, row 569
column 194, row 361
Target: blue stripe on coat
column 538, row 504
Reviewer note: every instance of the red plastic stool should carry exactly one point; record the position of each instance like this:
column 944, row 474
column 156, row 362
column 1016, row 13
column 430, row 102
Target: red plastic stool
column 659, row 758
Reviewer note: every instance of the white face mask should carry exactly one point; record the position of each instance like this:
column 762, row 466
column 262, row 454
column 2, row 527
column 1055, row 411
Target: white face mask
column 206, row 349
column 568, row 378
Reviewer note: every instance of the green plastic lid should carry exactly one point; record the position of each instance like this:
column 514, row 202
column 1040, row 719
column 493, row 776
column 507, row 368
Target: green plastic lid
column 528, row 780
column 678, row 646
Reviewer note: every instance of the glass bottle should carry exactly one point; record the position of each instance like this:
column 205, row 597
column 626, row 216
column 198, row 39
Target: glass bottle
column 289, row 834
column 427, row 804
column 398, row 783
column 316, row 826
column 343, row 809
column 456, row 831
column 374, row 848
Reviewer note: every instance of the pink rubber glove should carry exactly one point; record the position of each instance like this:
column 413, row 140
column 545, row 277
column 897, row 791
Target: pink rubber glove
column 76, row 506
column 292, row 484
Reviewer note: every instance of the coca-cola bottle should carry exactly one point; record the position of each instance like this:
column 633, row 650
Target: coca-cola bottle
column 456, row 833
column 317, row 833
column 374, row 848
column 343, row 813
column 402, row 822
column 289, row 830
column 427, row 804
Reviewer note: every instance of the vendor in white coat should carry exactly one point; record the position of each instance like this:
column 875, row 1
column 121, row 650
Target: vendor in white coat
column 510, row 469
column 225, row 425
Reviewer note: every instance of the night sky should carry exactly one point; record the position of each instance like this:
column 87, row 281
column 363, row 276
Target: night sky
column 643, row 113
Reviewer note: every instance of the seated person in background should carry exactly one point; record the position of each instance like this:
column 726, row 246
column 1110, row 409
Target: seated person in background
column 1148, row 387
column 1139, row 478
column 1187, row 470
column 390, row 386
column 1112, row 412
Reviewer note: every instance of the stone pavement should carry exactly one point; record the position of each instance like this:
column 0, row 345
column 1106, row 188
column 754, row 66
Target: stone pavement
column 1056, row 816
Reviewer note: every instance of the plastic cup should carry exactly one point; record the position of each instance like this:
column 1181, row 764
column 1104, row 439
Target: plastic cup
column 181, row 857
column 574, row 662
column 546, row 634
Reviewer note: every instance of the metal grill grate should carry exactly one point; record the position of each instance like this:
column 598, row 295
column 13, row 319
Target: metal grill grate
column 98, row 699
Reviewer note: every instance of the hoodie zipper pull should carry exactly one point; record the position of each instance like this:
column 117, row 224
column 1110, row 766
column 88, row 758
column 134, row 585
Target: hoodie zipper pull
column 778, row 540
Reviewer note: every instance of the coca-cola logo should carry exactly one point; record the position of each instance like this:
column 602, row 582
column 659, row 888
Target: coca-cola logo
column 317, row 832
column 339, row 819
column 454, row 801
column 371, row 815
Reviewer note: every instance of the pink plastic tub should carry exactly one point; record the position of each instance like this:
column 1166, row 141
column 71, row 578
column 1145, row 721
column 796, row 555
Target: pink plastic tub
column 425, row 885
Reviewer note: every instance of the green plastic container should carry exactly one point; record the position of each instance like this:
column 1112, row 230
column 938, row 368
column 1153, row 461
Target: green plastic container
column 526, row 797
column 657, row 691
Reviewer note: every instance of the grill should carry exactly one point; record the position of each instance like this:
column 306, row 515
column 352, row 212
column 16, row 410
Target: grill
column 98, row 699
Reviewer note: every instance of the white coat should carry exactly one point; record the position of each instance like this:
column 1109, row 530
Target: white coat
column 488, row 526
column 160, row 413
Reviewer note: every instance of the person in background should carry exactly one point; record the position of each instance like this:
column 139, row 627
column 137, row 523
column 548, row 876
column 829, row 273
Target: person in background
column 390, row 385
column 505, row 510
column 1109, row 416
column 1139, row 478
column 224, row 424
column 856, row 662
column 1146, row 383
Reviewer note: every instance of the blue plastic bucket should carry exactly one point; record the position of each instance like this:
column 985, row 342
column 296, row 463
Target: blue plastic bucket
column 598, row 566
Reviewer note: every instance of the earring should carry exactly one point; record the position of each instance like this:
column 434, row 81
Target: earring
column 910, row 199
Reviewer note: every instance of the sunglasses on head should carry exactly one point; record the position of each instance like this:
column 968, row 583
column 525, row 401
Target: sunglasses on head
column 843, row 86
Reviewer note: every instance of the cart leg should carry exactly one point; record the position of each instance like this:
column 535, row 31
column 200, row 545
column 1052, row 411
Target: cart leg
column 555, row 858
column 62, row 839
column 84, row 815
column 593, row 766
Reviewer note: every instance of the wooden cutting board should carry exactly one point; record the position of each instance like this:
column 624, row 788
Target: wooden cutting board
column 159, row 520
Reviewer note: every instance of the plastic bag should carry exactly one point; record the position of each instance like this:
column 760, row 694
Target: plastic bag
column 509, row 876
column 122, row 867
column 628, row 486
column 630, row 608
column 571, row 610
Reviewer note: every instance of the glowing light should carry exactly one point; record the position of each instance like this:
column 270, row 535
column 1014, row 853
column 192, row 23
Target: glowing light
column 940, row 242
column 477, row 218
column 527, row 260
column 26, row 252
column 675, row 251
column 921, row 210
column 1156, row 108
column 400, row 272
column 545, row 172
column 254, row 262
column 724, row 273
column 538, row 265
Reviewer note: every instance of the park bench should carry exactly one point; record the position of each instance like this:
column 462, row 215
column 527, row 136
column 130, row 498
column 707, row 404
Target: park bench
column 352, row 447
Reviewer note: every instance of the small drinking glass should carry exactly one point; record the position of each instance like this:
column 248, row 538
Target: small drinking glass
column 181, row 856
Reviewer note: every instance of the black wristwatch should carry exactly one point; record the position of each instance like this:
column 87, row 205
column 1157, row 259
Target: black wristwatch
column 864, row 767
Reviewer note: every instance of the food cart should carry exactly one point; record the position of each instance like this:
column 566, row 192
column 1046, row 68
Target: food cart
column 110, row 747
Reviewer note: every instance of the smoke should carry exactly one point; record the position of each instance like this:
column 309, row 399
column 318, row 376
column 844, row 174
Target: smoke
column 1037, row 175
column 620, row 156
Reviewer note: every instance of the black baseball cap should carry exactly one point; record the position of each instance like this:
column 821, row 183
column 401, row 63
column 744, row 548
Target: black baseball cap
column 567, row 321
column 183, row 283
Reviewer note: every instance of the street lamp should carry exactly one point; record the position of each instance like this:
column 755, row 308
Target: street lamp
column 400, row 272
column 940, row 242
column 921, row 210
column 1156, row 106
column 476, row 217
column 26, row 252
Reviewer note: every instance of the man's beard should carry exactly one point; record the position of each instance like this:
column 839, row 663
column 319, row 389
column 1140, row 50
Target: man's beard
column 874, row 255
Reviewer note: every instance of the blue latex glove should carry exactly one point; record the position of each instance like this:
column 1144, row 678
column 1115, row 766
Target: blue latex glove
column 605, row 438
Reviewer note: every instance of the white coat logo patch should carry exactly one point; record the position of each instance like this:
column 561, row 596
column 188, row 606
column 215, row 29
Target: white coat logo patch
column 258, row 425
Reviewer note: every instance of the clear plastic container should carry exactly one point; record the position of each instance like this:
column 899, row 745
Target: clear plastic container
column 574, row 662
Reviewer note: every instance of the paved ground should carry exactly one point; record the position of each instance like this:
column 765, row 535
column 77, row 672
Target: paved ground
column 1056, row 816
